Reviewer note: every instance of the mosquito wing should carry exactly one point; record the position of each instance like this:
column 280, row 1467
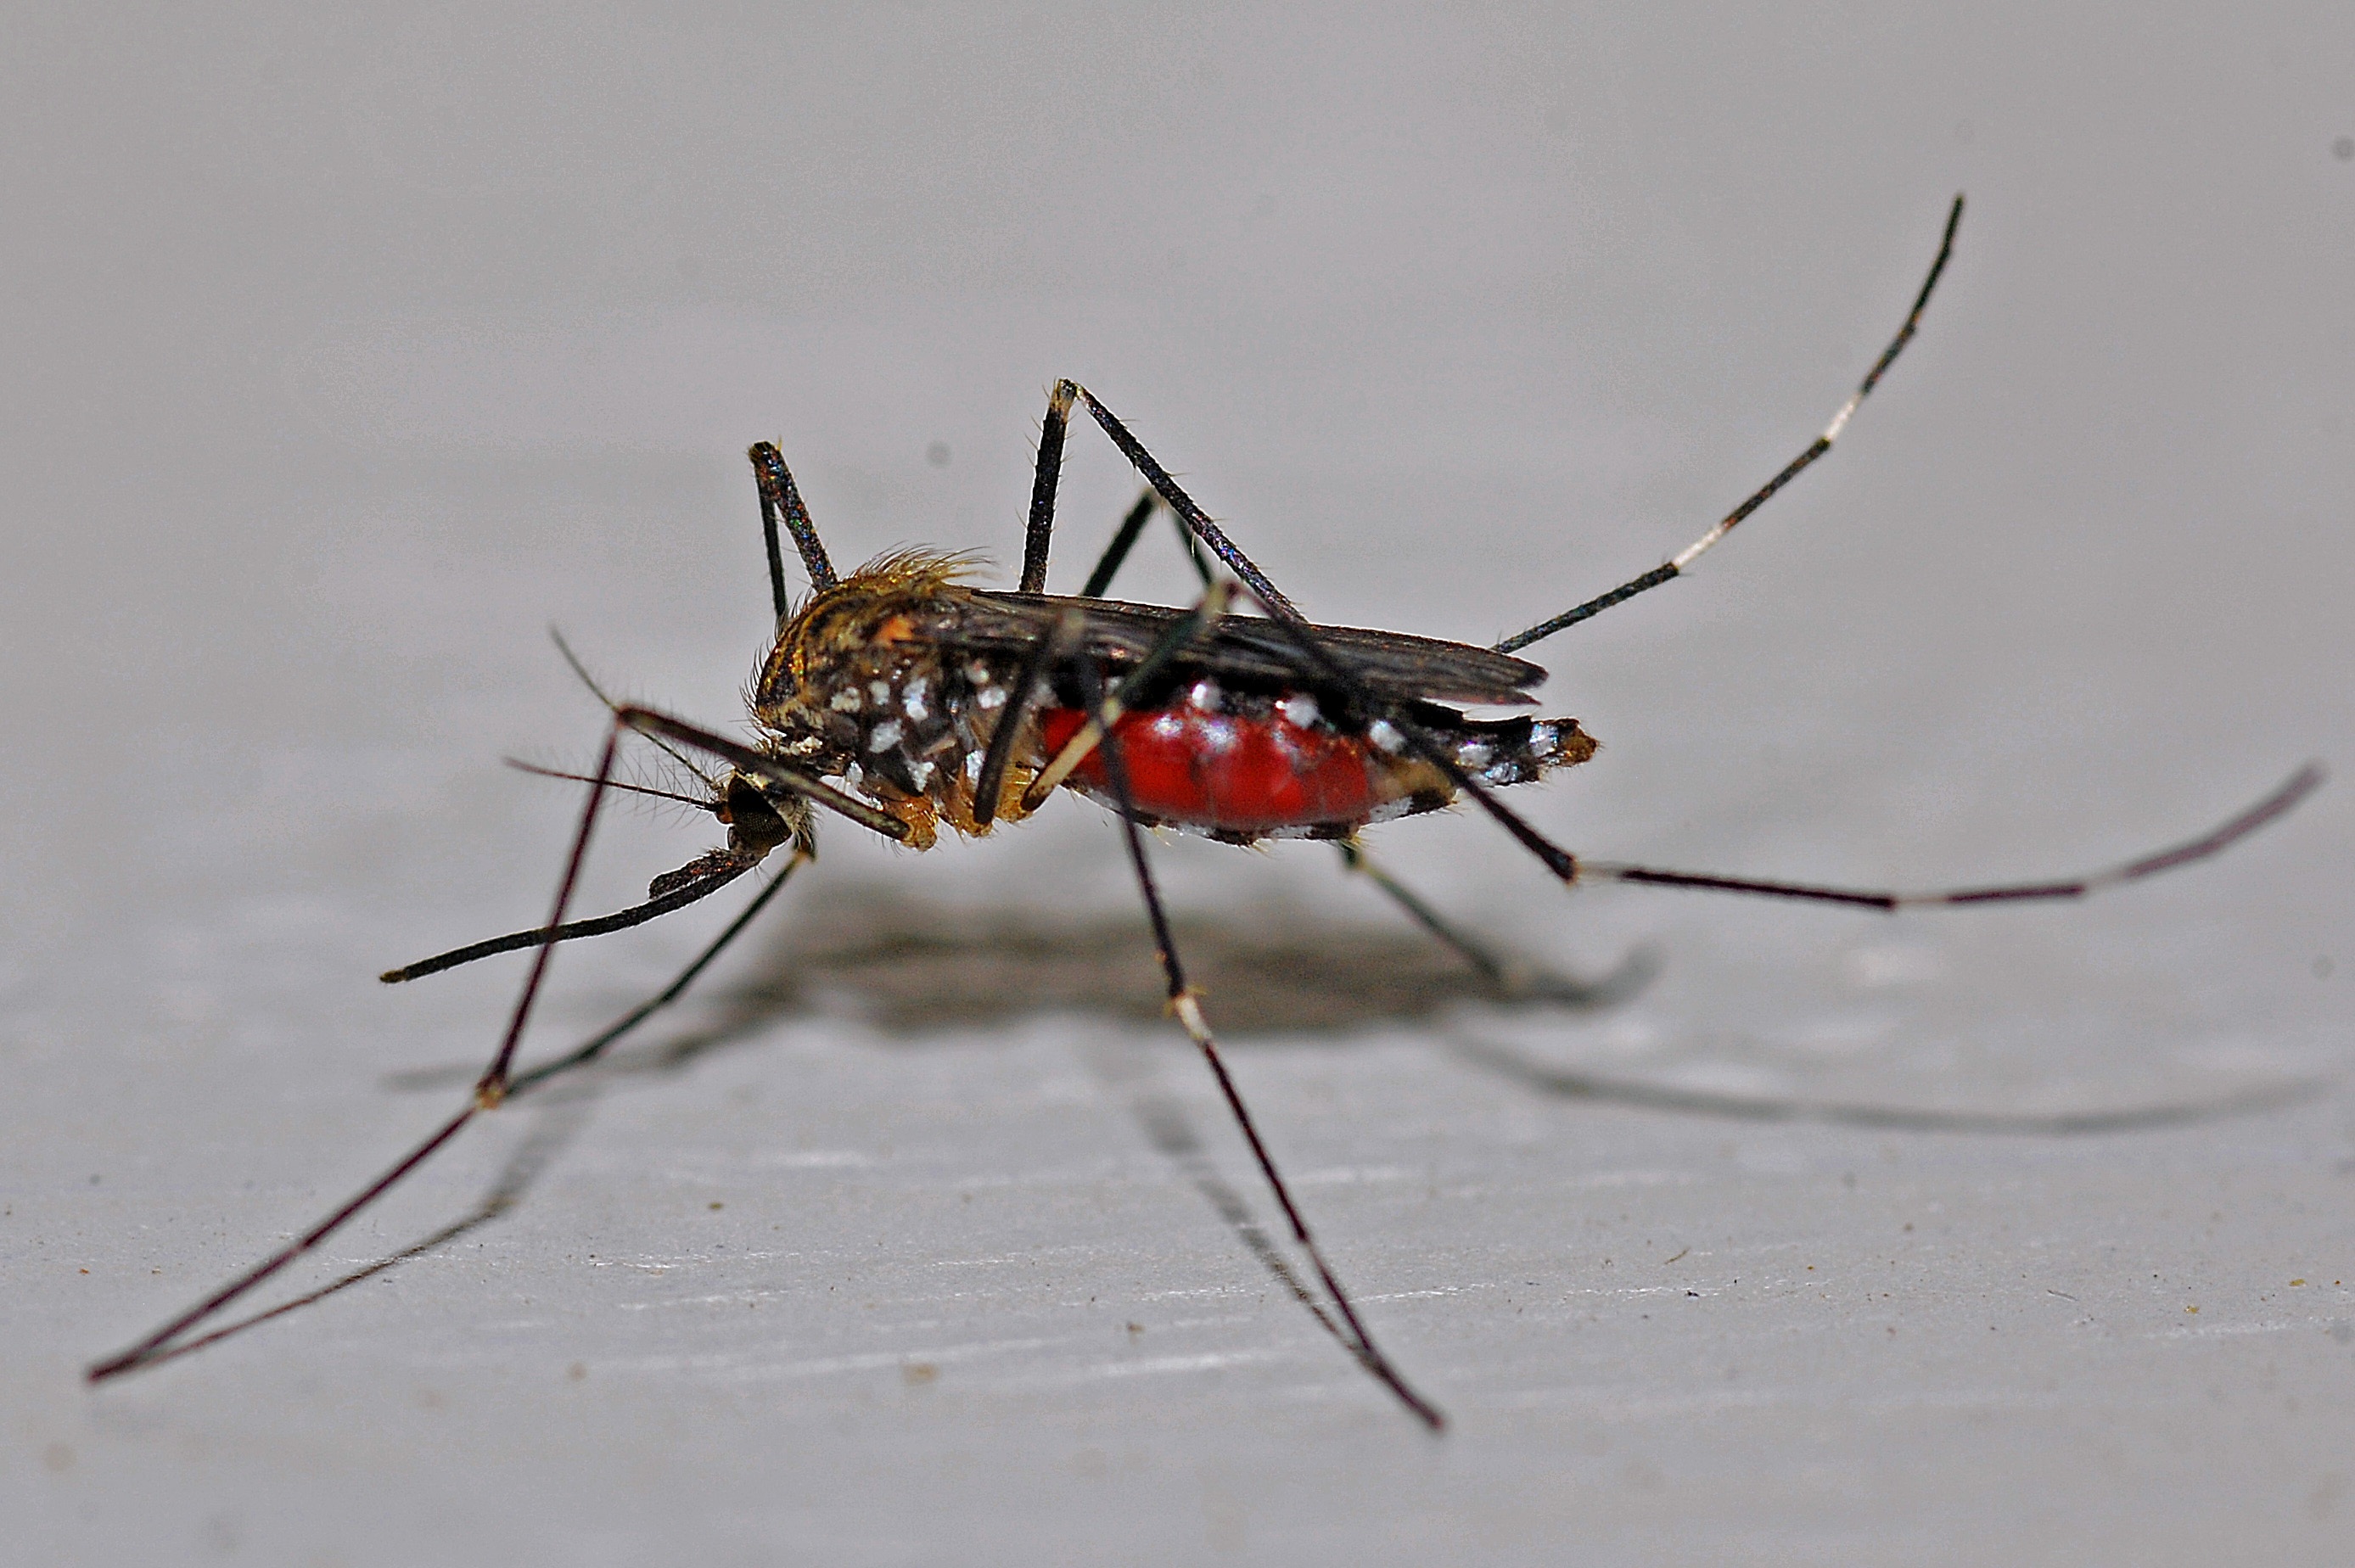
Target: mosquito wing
column 1391, row 664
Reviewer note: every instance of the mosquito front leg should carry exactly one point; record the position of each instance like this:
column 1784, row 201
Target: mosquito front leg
column 488, row 1091
column 1816, row 449
column 1049, row 654
column 1186, row 1005
column 581, row 1055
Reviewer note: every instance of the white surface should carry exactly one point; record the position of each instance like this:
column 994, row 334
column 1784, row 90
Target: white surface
column 346, row 356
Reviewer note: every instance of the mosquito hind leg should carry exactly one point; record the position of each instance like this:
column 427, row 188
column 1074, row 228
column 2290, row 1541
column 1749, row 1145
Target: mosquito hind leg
column 1124, row 539
column 1676, row 566
column 1410, row 735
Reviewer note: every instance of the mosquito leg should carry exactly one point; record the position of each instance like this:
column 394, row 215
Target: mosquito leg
column 595, row 1047
column 1510, row 976
column 1123, row 541
column 1181, row 634
column 1184, row 1002
column 489, row 1090
column 1816, row 449
column 1197, row 521
column 1395, row 729
column 1497, row 971
column 2294, row 789
column 781, row 500
column 1049, row 652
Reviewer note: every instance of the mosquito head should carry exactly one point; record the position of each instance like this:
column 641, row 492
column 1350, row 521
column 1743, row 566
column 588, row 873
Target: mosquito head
column 759, row 821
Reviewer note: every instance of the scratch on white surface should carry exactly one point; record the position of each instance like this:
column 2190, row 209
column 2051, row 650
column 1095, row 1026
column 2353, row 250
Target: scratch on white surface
column 1435, row 1290
column 1342, row 1175
column 1624, row 1292
column 737, row 1367
column 1605, row 1179
column 1199, row 1292
column 730, row 1298
column 1161, row 1365
column 813, row 1160
column 2225, row 1330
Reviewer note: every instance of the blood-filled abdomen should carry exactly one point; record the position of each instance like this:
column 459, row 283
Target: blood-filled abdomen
column 1228, row 771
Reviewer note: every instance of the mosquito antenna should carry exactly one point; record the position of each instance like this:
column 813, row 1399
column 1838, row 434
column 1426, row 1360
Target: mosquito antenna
column 612, row 707
column 1816, row 449
column 781, row 498
column 521, row 766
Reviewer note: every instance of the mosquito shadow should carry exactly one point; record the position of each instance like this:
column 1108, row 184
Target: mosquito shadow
column 913, row 970
column 1121, row 1067
column 1572, row 1083
column 910, row 968
column 555, row 1120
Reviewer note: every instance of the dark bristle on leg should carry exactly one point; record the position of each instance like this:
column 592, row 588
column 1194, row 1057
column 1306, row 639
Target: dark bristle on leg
column 1189, row 1010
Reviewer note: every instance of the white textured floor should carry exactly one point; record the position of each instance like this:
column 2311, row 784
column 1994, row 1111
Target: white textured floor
column 347, row 357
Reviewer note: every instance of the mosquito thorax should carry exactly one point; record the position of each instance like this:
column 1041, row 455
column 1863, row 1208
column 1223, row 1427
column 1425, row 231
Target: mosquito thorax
column 859, row 687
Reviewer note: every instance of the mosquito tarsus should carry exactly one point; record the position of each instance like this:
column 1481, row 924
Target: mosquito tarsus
column 902, row 699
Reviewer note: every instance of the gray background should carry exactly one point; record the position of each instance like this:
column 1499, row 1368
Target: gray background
column 344, row 356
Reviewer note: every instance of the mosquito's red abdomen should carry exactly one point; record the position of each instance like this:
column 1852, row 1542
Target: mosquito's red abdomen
column 1228, row 773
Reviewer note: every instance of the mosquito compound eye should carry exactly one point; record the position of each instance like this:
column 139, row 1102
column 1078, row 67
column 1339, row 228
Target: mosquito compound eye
column 753, row 823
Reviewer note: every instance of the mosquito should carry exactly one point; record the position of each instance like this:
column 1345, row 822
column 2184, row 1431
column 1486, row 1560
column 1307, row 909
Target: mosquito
column 902, row 699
